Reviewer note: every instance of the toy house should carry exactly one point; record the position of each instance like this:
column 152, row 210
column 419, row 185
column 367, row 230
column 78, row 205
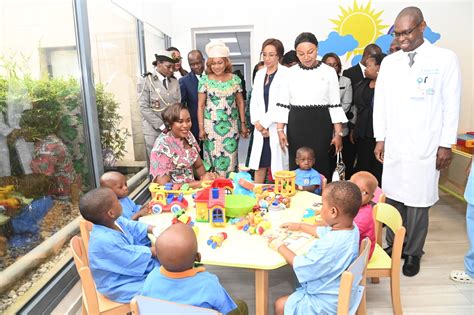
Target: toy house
column 210, row 206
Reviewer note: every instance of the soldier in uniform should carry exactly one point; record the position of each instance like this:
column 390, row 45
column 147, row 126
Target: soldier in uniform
column 156, row 91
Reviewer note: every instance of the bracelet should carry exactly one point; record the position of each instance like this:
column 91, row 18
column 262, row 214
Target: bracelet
column 243, row 122
column 280, row 130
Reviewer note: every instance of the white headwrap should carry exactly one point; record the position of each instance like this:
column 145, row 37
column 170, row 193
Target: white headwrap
column 217, row 49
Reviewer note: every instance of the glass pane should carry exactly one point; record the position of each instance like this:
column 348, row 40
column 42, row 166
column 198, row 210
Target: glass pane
column 114, row 47
column 154, row 41
column 43, row 159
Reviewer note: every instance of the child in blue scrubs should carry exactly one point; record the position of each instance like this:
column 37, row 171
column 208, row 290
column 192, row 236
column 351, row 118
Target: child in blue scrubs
column 307, row 178
column 118, row 183
column 178, row 281
column 118, row 259
column 319, row 271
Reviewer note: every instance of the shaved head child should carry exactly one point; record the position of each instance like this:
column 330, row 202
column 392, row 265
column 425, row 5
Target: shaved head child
column 178, row 281
column 364, row 220
column 118, row 183
column 319, row 270
column 118, row 259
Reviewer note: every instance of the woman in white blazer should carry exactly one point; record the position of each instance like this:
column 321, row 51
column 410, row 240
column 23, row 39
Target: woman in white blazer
column 264, row 114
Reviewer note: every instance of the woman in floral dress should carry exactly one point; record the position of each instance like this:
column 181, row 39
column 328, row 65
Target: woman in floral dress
column 220, row 111
column 175, row 154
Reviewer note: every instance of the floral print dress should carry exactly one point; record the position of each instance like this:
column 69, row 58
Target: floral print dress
column 170, row 157
column 51, row 158
column 221, row 123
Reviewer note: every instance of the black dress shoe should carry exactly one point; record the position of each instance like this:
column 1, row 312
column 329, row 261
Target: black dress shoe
column 411, row 267
column 388, row 250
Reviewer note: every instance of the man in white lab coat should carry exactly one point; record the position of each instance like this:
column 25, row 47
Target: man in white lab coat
column 416, row 111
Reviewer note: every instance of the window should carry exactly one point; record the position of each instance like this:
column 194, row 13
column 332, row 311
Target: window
column 44, row 155
column 217, row 215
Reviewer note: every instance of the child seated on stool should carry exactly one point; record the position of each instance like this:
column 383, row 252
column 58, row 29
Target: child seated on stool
column 178, row 281
column 118, row 259
column 364, row 220
column 319, row 271
column 307, row 178
column 118, row 183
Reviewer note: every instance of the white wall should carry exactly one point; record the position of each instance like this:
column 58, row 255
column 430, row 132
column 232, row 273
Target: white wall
column 285, row 20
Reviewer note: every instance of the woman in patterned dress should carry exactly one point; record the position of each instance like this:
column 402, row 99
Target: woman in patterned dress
column 220, row 111
column 176, row 151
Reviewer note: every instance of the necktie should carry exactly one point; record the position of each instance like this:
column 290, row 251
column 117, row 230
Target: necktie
column 412, row 58
column 165, row 83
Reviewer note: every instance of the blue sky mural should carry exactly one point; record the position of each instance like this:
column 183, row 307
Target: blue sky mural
column 358, row 26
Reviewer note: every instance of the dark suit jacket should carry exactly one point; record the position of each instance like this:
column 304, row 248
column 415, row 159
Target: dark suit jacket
column 354, row 73
column 189, row 96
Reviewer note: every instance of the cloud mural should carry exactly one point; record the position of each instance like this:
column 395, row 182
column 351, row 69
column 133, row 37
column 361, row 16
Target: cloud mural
column 337, row 44
column 431, row 36
column 384, row 42
column 358, row 26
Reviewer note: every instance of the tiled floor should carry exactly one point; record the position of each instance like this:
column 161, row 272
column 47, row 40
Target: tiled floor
column 430, row 292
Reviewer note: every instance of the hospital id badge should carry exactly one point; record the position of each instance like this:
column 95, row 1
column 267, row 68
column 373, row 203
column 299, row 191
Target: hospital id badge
column 424, row 84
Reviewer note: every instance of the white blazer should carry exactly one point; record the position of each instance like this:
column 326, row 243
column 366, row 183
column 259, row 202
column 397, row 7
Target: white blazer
column 268, row 119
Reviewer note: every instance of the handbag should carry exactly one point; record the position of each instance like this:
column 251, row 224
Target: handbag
column 340, row 171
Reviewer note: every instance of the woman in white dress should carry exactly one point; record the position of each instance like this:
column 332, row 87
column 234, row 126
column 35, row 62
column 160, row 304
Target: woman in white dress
column 264, row 115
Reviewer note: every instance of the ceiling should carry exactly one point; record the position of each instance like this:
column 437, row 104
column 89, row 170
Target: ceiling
column 242, row 44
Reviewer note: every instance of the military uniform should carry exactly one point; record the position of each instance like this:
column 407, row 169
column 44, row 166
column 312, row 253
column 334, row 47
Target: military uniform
column 153, row 98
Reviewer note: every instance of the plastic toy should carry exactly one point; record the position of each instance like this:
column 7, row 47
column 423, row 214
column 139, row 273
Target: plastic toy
column 217, row 240
column 239, row 205
column 166, row 199
column 263, row 226
column 285, row 183
column 243, row 183
column 266, row 196
column 254, row 224
column 311, row 216
column 210, row 206
column 172, row 188
column 181, row 216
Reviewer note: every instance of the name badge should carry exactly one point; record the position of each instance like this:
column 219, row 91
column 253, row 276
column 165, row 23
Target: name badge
column 424, row 84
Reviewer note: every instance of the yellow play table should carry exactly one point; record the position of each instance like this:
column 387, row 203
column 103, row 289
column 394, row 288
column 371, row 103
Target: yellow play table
column 242, row 250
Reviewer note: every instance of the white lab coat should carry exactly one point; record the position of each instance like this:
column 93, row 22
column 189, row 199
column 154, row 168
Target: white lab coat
column 416, row 110
column 268, row 120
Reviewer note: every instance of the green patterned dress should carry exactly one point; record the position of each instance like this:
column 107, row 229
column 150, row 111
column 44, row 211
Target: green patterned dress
column 221, row 123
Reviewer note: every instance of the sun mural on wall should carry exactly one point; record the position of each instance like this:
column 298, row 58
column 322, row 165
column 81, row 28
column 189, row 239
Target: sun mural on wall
column 358, row 26
column 364, row 24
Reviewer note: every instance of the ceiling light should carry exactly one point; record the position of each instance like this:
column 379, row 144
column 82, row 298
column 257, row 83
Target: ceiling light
column 225, row 39
column 235, row 53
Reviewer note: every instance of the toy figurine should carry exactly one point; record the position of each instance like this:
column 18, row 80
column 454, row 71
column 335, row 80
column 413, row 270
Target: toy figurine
column 217, row 240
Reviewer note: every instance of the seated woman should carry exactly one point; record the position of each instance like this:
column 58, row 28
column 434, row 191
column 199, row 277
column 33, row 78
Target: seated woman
column 176, row 151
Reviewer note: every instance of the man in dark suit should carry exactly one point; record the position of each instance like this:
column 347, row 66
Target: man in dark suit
column 356, row 74
column 189, row 86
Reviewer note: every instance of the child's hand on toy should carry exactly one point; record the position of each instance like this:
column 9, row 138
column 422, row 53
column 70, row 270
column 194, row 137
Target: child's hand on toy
column 291, row 226
column 144, row 210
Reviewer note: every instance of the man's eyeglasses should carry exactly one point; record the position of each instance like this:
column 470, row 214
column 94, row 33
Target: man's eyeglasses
column 405, row 33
